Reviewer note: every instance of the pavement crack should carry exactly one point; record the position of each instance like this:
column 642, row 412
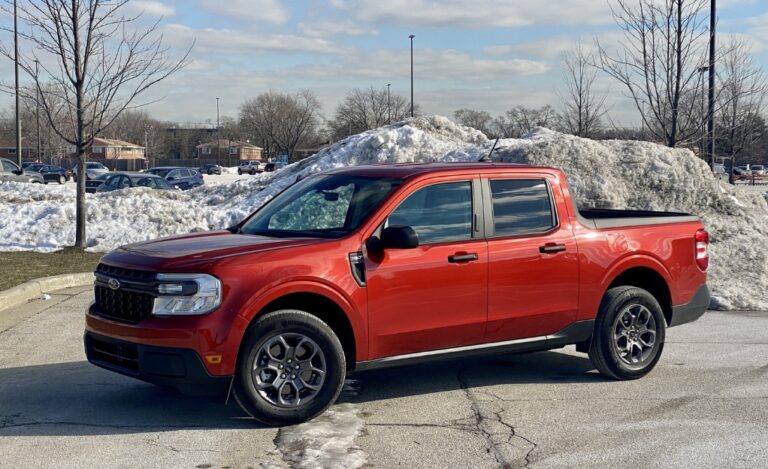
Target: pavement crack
column 484, row 423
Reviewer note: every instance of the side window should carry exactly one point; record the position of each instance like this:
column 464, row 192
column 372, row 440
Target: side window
column 124, row 182
column 437, row 213
column 112, row 181
column 521, row 206
column 9, row 167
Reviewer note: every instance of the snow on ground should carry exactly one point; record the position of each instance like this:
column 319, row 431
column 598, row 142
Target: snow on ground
column 611, row 174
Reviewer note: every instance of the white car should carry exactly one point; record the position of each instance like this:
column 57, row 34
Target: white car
column 251, row 167
column 92, row 169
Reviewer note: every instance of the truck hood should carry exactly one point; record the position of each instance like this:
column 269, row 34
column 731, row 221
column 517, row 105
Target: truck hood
column 206, row 246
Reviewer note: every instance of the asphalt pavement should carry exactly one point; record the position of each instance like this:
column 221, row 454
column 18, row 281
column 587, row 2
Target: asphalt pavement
column 705, row 405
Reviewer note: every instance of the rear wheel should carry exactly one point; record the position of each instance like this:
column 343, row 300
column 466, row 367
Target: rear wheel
column 629, row 334
column 291, row 368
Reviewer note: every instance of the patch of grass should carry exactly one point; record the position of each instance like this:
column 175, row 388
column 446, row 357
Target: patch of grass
column 20, row 267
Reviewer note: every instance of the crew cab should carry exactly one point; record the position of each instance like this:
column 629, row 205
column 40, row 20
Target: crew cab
column 374, row 266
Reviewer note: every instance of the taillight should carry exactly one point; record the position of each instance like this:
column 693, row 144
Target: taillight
column 702, row 254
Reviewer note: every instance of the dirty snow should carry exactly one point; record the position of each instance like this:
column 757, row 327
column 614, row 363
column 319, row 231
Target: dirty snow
column 611, row 174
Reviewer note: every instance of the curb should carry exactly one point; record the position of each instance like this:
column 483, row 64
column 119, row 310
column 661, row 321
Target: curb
column 35, row 288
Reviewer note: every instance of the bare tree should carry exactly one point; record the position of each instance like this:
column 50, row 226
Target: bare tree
column 524, row 119
column 658, row 61
column 368, row 109
column 480, row 120
column 279, row 122
column 743, row 90
column 94, row 60
column 583, row 108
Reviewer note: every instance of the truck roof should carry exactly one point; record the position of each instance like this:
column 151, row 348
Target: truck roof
column 406, row 170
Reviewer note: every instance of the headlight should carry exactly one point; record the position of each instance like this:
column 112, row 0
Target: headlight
column 186, row 294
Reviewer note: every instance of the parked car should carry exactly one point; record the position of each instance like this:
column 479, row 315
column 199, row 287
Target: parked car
column 91, row 185
column 51, row 173
column 183, row 178
column 10, row 172
column 372, row 266
column 250, row 167
column 117, row 181
column 757, row 169
column 27, row 164
column 92, row 169
column 269, row 167
column 210, row 169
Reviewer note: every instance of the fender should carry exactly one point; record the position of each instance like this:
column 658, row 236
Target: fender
column 632, row 260
column 274, row 291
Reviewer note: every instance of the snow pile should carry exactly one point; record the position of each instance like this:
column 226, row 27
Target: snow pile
column 610, row 174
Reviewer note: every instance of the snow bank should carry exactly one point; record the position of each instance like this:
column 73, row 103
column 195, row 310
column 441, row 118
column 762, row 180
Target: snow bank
column 611, row 174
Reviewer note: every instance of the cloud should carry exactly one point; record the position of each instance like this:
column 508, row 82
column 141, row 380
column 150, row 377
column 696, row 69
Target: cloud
column 151, row 7
column 555, row 47
column 429, row 64
column 482, row 13
column 325, row 28
column 271, row 11
column 224, row 41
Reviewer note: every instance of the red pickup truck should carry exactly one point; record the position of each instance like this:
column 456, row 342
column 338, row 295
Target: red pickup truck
column 373, row 266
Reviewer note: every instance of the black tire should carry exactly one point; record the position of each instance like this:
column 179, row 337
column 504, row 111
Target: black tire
column 239, row 172
column 612, row 332
column 265, row 330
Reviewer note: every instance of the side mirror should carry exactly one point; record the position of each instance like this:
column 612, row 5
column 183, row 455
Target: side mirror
column 18, row 172
column 399, row 237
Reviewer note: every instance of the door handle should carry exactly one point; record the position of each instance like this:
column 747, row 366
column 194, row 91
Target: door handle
column 551, row 248
column 457, row 258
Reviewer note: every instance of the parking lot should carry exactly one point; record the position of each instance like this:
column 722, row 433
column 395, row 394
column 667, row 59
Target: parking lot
column 705, row 405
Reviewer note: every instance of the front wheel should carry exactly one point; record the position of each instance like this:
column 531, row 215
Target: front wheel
column 291, row 368
column 629, row 334
column 239, row 172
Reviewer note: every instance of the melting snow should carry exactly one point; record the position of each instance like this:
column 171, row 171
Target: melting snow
column 611, row 174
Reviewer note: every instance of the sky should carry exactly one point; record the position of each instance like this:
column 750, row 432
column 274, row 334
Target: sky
column 489, row 55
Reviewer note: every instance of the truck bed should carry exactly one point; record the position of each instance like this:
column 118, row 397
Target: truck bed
column 600, row 218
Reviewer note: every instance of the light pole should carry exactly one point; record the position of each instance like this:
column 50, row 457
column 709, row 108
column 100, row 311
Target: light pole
column 411, row 38
column 37, row 106
column 389, row 107
column 218, row 135
column 711, row 111
column 16, row 69
column 704, row 146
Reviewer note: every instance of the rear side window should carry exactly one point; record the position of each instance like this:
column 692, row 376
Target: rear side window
column 437, row 213
column 521, row 206
column 9, row 167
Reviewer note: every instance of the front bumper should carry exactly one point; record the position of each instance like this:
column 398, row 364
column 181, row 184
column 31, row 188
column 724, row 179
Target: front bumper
column 166, row 366
column 692, row 310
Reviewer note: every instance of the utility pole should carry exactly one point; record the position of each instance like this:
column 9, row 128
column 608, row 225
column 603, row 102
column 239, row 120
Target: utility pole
column 711, row 111
column 16, row 67
column 411, row 37
column 218, row 135
column 389, row 106
column 37, row 107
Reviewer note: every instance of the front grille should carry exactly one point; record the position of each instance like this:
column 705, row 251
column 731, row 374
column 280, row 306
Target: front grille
column 123, row 356
column 125, row 274
column 122, row 305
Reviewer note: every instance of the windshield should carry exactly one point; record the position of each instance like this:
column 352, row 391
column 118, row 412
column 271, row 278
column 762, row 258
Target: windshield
column 94, row 166
column 326, row 206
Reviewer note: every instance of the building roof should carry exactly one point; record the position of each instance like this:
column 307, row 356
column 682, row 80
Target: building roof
column 108, row 142
column 225, row 143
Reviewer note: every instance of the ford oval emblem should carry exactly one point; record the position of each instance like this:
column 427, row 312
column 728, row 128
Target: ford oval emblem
column 113, row 284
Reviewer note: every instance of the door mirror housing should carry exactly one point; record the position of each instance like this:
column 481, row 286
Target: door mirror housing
column 399, row 237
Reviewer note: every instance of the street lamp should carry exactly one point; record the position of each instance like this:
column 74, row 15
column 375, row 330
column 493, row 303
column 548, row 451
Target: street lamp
column 411, row 38
column 218, row 134
column 705, row 119
column 389, row 107
column 16, row 69
column 37, row 106
column 711, row 111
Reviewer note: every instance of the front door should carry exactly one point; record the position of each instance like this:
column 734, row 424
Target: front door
column 434, row 296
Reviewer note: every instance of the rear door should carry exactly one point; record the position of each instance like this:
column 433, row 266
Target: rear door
column 533, row 273
column 433, row 296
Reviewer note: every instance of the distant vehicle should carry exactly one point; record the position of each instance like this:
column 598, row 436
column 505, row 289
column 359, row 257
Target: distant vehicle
column 177, row 176
column 92, row 169
column 117, row 181
column 27, row 164
column 10, row 172
column 50, row 172
column 250, row 167
column 91, row 185
column 757, row 169
column 269, row 167
column 210, row 169
column 720, row 172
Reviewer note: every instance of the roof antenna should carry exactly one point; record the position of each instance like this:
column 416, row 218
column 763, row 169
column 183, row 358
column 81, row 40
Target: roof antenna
column 487, row 158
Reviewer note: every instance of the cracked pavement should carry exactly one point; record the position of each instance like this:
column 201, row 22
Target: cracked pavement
column 705, row 405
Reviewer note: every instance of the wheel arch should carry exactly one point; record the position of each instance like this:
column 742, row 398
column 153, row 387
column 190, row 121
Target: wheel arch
column 650, row 280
